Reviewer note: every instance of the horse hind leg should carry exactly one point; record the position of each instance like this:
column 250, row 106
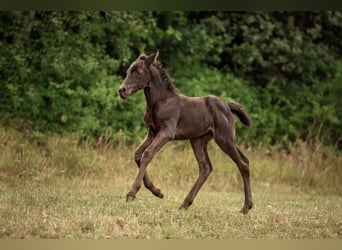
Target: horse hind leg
column 199, row 146
column 247, row 186
column 230, row 148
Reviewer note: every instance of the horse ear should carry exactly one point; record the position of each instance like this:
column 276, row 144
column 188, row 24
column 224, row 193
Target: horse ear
column 152, row 58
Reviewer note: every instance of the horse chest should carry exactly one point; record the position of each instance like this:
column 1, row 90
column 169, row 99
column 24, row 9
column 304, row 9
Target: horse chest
column 150, row 119
column 158, row 117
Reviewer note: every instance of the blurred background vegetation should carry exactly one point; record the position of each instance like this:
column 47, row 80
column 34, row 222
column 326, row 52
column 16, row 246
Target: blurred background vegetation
column 60, row 70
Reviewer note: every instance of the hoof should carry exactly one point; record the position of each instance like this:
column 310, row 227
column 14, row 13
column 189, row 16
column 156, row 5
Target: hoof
column 182, row 207
column 130, row 198
column 185, row 205
column 159, row 194
column 245, row 209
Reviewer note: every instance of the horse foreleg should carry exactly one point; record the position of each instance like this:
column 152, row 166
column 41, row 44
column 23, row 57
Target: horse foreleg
column 160, row 140
column 138, row 154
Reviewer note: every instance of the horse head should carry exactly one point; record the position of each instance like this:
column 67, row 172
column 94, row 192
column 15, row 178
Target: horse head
column 137, row 75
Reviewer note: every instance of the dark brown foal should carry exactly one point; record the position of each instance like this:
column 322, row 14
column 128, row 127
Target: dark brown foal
column 172, row 116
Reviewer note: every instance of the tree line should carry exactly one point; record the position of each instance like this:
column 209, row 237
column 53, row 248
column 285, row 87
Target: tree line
column 60, row 70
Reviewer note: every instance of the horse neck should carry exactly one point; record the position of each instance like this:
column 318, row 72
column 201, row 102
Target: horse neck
column 156, row 92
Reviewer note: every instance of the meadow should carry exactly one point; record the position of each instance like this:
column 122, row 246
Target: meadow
column 60, row 71
column 61, row 188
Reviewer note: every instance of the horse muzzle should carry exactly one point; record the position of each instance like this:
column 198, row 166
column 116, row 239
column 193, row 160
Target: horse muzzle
column 126, row 90
column 123, row 93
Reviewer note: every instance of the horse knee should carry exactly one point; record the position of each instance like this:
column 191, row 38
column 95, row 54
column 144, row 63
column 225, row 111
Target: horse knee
column 146, row 156
column 246, row 160
column 244, row 168
column 137, row 157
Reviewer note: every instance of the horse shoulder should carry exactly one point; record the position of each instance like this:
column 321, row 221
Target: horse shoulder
column 163, row 114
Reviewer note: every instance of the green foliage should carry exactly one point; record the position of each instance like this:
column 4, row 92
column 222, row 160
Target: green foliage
column 58, row 75
column 60, row 70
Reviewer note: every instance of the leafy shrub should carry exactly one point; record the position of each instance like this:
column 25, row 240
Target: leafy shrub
column 60, row 70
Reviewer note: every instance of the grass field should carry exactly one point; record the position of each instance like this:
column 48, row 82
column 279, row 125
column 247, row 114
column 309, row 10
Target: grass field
column 76, row 211
column 60, row 189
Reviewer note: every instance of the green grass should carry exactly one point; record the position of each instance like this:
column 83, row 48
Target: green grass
column 77, row 211
column 58, row 188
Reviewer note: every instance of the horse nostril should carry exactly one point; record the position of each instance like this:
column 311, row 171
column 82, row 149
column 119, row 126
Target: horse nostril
column 123, row 92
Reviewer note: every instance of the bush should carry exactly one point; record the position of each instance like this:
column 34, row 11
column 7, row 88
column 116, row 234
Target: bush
column 60, row 70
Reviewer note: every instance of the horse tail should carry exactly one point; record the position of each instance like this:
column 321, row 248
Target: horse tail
column 240, row 111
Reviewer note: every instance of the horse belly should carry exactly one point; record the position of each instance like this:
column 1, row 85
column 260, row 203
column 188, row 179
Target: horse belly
column 192, row 126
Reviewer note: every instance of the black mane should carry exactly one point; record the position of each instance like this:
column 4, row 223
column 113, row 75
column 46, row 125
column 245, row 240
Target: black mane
column 166, row 79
